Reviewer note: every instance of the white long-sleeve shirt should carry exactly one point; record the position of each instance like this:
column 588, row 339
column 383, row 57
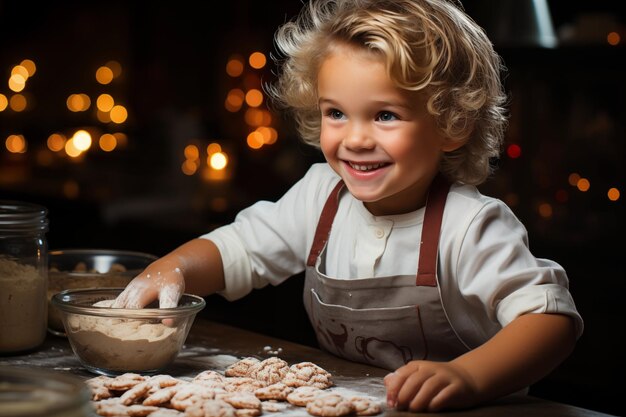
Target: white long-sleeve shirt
column 487, row 274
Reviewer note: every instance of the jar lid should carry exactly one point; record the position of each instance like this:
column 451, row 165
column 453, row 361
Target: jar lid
column 22, row 216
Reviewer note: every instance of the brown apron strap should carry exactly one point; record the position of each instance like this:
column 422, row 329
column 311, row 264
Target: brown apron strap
column 325, row 223
column 429, row 244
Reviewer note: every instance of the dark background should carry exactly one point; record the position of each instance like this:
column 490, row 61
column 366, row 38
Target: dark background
column 567, row 115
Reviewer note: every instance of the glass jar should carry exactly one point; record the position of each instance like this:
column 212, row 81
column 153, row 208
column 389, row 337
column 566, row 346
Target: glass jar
column 36, row 392
column 23, row 275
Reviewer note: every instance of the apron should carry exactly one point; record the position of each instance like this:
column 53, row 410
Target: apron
column 382, row 321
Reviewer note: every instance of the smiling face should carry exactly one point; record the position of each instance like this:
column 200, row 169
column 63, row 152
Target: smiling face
column 379, row 138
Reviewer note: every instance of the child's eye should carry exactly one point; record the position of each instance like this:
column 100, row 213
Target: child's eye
column 386, row 116
column 335, row 114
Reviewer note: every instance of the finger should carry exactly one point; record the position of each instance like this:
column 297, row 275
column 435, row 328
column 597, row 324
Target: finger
column 412, row 386
column 396, row 380
column 121, row 299
column 428, row 390
column 392, row 388
column 138, row 295
column 169, row 296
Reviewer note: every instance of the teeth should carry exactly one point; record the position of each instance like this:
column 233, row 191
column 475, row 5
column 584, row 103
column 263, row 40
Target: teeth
column 359, row 167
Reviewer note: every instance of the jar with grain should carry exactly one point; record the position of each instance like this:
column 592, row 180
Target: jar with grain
column 23, row 275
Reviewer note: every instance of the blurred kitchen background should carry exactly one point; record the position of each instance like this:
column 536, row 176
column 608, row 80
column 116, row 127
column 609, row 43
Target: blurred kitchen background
column 141, row 125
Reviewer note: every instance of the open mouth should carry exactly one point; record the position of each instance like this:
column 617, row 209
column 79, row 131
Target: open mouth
column 365, row 167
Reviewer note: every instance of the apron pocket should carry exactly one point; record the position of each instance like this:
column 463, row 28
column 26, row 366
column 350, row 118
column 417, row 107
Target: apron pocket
column 386, row 337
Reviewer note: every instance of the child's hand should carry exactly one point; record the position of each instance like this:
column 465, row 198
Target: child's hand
column 421, row 386
column 158, row 281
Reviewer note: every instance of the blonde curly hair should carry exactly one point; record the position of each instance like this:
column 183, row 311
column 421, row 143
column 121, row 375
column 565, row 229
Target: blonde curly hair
column 427, row 45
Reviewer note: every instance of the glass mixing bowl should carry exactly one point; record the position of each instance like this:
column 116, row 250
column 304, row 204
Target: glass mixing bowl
column 113, row 341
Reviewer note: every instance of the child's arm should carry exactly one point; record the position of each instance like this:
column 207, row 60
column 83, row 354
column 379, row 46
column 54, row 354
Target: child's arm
column 195, row 267
column 520, row 354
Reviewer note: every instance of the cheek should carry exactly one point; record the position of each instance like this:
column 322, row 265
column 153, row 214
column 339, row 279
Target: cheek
column 328, row 143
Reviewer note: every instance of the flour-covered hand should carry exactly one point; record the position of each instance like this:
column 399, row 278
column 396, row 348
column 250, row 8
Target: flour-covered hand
column 159, row 281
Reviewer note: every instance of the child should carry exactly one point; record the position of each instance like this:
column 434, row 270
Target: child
column 408, row 267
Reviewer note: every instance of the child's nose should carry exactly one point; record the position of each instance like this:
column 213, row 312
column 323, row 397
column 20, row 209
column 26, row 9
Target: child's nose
column 359, row 137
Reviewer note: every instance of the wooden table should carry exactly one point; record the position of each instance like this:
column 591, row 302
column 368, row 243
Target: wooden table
column 212, row 345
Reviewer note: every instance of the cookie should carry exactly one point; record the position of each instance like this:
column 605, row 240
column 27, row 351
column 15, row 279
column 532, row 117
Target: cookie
column 138, row 410
column 161, row 396
column 270, row 370
column 124, row 381
column 135, row 393
column 241, row 367
column 277, row 391
column 242, row 383
column 190, row 394
column 330, row 405
column 111, row 407
column 364, row 406
column 301, row 396
column 241, row 399
column 273, row 406
column 98, row 389
column 211, row 408
column 307, row 374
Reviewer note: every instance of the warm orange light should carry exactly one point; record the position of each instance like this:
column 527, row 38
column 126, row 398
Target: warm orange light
column 16, row 144
column 269, row 134
column 104, row 75
column 234, row 100
column 189, row 167
column 18, row 102
column 4, row 102
column 122, row 139
column 107, row 142
column 118, row 114
column 561, row 196
column 613, row 38
column 254, row 98
column 21, row 71
column 56, row 142
column 71, row 150
column 78, row 102
column 255, row 140
column 613, row 194
column 234, row 67
column 573, row 178
column 115, row 67
column 545, row 210
column 105, row 102
column 213, row 147
column 30, row 66
column 191, row 152
column 583, row 184
column 257, row 60
column 17, row 82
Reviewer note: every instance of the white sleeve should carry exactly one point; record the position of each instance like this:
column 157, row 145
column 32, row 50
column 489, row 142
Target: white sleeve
column 268, row 242
column 497, row 270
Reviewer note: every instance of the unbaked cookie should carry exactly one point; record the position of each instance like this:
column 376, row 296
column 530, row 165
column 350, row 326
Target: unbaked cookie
column 364, row 406
column 270, row 370
column 301, row 396
column 330, row 405
column 241, row 367
column 277, row 391
column 211, row 408
column 308, row 373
